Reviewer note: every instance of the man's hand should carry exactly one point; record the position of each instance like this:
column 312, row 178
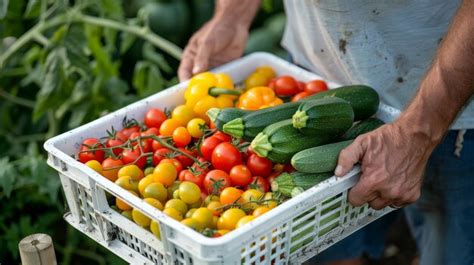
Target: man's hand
column 214, row 44
column 220, row 40
column 393, row 161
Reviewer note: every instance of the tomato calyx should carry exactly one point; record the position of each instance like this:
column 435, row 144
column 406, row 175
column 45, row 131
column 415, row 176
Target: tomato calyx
column 211, row 232
column 129, row 123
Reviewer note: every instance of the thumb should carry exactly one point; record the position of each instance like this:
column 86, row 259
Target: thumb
column 203, row 54
column 349, row 156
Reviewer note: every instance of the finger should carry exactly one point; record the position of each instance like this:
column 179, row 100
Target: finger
column 186, row 65
column 379, row 203
column 349, row 156
column 203, row 54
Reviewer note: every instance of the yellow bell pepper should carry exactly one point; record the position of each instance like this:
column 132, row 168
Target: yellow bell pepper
column 258, row 97
column 208, row 90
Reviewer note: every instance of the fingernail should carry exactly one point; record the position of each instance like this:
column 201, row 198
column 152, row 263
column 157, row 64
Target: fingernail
column 338, row 170
column 197, row 69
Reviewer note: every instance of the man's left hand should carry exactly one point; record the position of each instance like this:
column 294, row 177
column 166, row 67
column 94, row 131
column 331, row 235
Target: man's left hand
column 393, row 161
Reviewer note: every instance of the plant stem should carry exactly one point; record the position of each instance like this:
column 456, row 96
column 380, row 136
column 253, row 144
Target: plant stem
column 17, row 100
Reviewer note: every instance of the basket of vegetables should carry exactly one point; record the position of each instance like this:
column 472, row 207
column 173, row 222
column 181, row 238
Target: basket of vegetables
column 231, row 167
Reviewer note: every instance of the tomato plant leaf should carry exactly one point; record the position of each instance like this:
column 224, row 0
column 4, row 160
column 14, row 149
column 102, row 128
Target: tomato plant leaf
column 7, row 176
column 150, row 54
column 147, row 78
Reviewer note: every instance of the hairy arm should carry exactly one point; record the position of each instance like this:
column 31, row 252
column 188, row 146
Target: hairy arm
column 393, row 158
column 220, row 40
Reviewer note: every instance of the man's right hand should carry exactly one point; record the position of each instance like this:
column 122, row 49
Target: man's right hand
column 217, row 42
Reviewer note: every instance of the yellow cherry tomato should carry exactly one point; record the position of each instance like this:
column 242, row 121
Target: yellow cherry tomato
column 165, row 173
column 211, row 198
column 224, row 81
column 190, row 212
column 177, row 204
column 171, row 189
column 189, row 192
column 270, row 201
column 95, row 165
column 154, row 202
column 266, row 71
column 131, row 170
column 123, row 205
column 204, row 216
column 256, row 80
column 195, row 127
column 183, row 114
column 157, row 191
column 250, row 198
column 260, row 211
column 230, row 218
column 144, row 182
column 196, row 205
column 155, row 228
column 173, row 213
column 223, row 231
column 148, row 171
column 168, row 126
column 215, row 208
column 128, row 214
column 244, row 220
column 127, row 183
column 193, row 223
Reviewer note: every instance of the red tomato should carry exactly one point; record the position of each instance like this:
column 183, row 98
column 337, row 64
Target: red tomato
column 259, row 183
column 112, row 143
column 160, row 154
column 151, row 131
column 181, row 174
column 175, row 163
column 300, row 96
column 286, row 86
column 288, row 168
column 271, row 83
column 301, row 86
column 273, row 176
column 240, row 175
column 195, row 175
column 225, row 156
column 222, row 136
column 107, row 165
column 121, row 136
column 128, row 131
column 130, row 156
column 316, row 86
column 208, row 146
column 181, row 137
column 185, row 161
column 259, row 166
column 154, row 118
column 85, row 155
column 146, row 144
column 155, row 145
column 216, row 180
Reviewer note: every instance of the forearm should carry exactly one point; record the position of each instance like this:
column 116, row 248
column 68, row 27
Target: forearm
column 449, row 83
column 239, row 12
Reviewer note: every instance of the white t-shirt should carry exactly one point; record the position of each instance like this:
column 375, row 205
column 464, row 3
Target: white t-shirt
column 387, row 45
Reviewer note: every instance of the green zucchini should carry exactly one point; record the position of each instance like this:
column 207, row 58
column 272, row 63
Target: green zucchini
column 280, row 141
column 324, row 116
column 319, row 159
column 251, row 124
column 362, row 127
column 364, row 99
column 292, row 184
column 221, row 116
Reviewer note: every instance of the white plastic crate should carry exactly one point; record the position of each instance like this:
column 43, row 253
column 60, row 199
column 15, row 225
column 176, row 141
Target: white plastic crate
column 291, row 233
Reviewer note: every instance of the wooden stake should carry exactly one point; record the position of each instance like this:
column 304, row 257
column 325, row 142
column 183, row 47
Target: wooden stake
column 37, row 249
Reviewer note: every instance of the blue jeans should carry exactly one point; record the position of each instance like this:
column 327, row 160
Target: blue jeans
column 441, row 221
